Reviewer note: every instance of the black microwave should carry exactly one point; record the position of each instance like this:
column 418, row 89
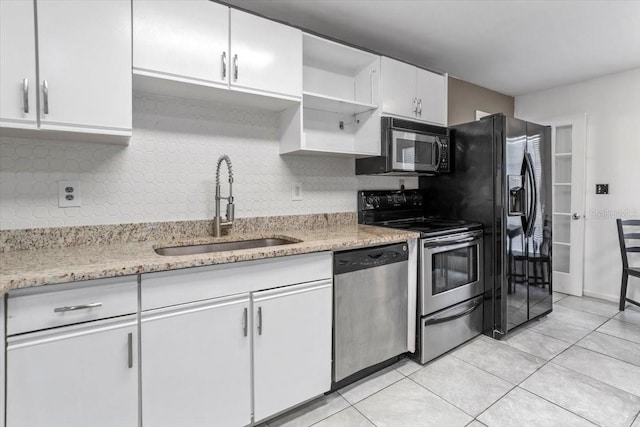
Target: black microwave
column 409, row 148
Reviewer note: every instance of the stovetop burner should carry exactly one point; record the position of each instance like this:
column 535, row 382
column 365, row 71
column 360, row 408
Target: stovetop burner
column 431, row 226
column 403, row 210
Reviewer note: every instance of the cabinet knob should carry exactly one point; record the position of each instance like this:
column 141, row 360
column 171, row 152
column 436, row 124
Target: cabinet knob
column 575, row 216
column 420, row 107
column 415, row 105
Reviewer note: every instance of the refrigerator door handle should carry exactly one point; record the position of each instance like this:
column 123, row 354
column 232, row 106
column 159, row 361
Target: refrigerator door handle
column 533, row 208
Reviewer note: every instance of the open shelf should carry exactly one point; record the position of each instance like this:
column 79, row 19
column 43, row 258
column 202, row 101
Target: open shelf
column 333, row 104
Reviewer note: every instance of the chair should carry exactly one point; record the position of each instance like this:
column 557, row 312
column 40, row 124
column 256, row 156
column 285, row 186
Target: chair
column 624, row 236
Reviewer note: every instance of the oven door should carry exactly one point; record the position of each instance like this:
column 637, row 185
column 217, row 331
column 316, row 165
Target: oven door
column 451, row 271
column 414, row 152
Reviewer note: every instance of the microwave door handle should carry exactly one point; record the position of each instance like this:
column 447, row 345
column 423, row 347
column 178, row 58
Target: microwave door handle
column 438, row 150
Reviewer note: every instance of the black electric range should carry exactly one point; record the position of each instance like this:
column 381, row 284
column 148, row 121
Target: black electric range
column 403, row 209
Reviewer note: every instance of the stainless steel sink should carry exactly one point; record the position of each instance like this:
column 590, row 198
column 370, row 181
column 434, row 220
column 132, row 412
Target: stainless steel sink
column 224, row 246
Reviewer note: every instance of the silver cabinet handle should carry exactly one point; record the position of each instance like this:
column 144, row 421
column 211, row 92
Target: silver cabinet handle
column 25, row 95
column 575, row 216
column 130, row 347
column 224, row 65
column 259, row 320
column 235, row 67
column 420, row 107
column 45, row 97
column 415, row 105
column 245, row 322
column 77, row 307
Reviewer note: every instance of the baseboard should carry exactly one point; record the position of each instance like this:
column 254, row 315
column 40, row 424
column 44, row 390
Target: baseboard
column 606, row 297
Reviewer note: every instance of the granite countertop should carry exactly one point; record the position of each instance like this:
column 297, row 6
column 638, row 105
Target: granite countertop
column 27, row 268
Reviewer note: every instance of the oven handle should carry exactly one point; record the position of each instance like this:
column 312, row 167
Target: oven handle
column 470, row 310
column 452, row 242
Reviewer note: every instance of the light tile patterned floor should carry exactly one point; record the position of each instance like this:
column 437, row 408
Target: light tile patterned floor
column 578, row 366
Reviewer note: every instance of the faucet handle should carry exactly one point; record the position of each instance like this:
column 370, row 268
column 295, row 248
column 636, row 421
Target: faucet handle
column 230, row 211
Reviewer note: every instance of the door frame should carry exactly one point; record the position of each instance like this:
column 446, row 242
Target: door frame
column 578, row 123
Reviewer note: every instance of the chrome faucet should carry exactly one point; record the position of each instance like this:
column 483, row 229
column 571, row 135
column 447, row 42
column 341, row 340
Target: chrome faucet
column 217, row 221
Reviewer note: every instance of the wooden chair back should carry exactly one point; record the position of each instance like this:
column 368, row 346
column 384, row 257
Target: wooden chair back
column 628, row 230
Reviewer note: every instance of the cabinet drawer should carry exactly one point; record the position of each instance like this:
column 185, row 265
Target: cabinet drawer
column 33, row 309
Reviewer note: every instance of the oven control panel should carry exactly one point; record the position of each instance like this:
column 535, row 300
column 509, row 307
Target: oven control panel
column 389, row 200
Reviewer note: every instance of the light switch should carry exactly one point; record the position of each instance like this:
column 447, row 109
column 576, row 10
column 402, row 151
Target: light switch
column 602, row 188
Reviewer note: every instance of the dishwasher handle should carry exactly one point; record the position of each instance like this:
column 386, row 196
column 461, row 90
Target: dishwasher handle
column 361, row 259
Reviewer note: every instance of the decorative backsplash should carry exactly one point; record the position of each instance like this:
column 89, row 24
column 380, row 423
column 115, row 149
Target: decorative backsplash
column 167, row 173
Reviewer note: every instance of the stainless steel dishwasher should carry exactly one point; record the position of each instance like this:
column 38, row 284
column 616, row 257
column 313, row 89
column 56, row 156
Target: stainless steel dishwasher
column 370, row 307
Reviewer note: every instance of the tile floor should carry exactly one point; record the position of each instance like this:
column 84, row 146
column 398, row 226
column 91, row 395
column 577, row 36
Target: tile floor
column 578, row 366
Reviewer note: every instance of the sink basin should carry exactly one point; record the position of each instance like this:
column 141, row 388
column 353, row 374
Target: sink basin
column 224, row 246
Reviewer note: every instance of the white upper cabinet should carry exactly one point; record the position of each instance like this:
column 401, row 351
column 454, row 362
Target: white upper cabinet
column 84, row 50
column 206, row 44
column 398, row 88
column 412, row 92
column 431, row 91
column 265, row 55
column 186, row 42
column 83, row 61
column 18, row 83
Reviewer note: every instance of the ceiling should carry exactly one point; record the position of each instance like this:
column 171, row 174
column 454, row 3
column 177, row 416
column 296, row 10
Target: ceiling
column 513, row 47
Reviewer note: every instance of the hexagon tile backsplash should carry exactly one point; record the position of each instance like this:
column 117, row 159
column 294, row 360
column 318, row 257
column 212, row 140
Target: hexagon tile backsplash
column 167, row 173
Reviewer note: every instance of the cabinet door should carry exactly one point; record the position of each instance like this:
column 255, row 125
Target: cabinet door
column 265, row 56
column 18, row 83
column 432, row 97
column 84, row 50
column 182, row 42
column 196, row 364
column 398, row 88
column 292, row 346
column 76, row 376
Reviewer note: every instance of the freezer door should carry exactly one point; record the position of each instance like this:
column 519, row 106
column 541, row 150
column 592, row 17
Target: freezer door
column 539, row 238
column 513, row 293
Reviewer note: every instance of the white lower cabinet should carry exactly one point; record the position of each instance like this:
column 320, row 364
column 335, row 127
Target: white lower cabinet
column 213, row 359
column 72, row 355
column 74, row 376
column 196, row 364
column 292, row 346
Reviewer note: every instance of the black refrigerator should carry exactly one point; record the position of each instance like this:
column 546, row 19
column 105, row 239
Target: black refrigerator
column 502, row 178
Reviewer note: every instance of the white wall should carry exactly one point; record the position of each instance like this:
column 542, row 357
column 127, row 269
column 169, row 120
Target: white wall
column 167, row 173
column 612, row 105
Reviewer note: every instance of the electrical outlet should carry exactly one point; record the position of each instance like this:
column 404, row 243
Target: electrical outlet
column 68, row 194
column 602, row 188
column 296, row 191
